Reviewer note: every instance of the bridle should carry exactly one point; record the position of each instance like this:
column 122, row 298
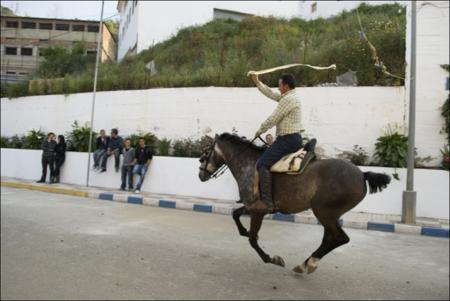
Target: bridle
column 223, row 167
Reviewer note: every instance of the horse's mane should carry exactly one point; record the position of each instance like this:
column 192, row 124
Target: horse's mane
column 233, row 138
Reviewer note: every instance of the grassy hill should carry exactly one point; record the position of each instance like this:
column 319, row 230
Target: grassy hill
column 221, row 52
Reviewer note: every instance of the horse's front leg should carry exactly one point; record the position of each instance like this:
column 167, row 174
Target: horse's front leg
column 255, row 224
column 236, row 216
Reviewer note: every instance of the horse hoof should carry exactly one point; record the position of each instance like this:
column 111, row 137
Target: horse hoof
column 312, row 265
column 299, row 269
column 277, row 260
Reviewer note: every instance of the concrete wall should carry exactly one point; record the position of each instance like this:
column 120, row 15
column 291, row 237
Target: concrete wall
column 339, row 117
column 180, row 176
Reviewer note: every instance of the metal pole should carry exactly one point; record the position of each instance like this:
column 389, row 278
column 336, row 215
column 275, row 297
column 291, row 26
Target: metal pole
column 409, row 195
column 97, row 58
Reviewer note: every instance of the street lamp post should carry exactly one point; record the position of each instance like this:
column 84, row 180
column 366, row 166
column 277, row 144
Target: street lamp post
column 409, row 195
column 97, row 58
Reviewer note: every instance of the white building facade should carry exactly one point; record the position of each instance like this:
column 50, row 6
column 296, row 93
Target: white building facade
column 144, row 23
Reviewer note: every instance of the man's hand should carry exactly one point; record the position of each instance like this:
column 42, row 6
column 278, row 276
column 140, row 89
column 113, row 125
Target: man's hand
column 255, row 78
column 258, row 133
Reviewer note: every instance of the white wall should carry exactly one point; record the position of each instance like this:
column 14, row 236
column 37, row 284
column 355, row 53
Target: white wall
column 339, row 117
column 180, row 176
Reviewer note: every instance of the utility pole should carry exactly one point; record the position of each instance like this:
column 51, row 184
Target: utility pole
column 409, row 195
column 99, row 48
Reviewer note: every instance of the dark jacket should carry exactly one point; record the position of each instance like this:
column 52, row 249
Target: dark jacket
column 60, row 150
column 48, row 148
column 143, row 154
column 116, row 143
column 102, row 144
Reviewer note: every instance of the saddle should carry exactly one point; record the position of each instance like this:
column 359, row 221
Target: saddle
column 296, row 163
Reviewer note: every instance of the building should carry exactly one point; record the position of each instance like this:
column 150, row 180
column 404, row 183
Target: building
column 219, row 13
column 23, row 38
column 145, row 23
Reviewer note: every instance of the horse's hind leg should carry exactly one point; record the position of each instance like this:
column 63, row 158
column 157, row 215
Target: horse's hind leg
column 255, row 224
column 236, row 216
column 333, row 237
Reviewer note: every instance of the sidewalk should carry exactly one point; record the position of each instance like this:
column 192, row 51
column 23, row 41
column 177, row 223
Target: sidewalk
column 357, row 220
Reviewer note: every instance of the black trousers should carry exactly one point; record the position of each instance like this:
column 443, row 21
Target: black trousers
column 127, row 172
column 47, row 161
column 59, row 161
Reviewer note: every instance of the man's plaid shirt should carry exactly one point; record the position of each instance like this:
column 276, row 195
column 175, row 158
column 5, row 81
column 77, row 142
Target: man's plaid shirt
column 287, row 116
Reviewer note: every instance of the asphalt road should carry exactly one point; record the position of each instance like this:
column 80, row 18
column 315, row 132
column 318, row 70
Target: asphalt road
column 60, row 247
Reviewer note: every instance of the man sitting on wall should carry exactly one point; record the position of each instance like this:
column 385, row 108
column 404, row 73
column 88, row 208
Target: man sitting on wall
column 114, row 148
column 143, row 158
column 101, row 146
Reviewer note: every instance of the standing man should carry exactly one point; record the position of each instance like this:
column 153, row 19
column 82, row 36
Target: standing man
column 143, row 158
column 287, row 120
column 101, row 146
column 127, row 165
column 114, row 148
column 48, row 157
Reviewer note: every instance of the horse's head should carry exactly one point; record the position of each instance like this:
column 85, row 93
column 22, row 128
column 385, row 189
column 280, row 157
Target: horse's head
column 212, row 161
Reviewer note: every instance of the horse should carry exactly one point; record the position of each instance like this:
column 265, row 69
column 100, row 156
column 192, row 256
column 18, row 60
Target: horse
column 330, row 187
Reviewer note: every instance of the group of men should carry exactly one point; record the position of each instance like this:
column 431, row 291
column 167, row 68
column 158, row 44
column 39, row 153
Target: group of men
column 135, row 160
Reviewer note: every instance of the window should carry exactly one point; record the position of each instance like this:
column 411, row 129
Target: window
column 23, row 73
column 11, row 50
column 29, row 25
column 77, row 27
column 91, row 52
column 93, row 28
column 47, row 26
column 26, row 51
column 60, row 26
column 11, row 72
column 314, row 7
column 12, row 24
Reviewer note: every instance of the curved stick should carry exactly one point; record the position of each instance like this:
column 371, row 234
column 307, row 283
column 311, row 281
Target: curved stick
column 333, row 66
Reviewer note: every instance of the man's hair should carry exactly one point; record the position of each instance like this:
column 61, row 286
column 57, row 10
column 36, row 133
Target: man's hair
column 142, row 138
column 49, row 134
column 288, row 79
column 128, row 139
column 115, row 131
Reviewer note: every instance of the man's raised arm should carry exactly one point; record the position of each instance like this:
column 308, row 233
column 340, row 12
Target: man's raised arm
column 264, row 89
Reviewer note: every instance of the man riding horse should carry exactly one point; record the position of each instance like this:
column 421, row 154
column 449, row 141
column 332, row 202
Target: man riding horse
column 287, row 119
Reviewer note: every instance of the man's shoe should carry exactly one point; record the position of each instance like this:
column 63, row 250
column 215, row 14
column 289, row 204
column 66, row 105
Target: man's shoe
column 122, row 188
column 103, row 170
column 137, row 191
column 40, row 181
column 240, row 201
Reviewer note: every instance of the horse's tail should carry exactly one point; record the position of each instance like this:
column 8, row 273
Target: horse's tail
column 377, row 181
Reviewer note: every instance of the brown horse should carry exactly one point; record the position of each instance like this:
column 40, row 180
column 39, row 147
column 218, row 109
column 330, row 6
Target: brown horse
column 329, row 187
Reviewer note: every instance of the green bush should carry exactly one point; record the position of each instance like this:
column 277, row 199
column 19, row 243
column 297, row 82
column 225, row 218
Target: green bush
column 78, row 138
column 446, row 157
column 150, row 139
column 34, row 139
column 16, row 141
column 164, row 147
column 190, row 148
column 4, row 142
column 357, row 156
column 391, row 150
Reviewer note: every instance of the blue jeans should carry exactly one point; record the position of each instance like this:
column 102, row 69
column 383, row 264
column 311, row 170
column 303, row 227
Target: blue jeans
column 127, row 172
column 140, row 169
column 98, row 154
column 282, row 146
